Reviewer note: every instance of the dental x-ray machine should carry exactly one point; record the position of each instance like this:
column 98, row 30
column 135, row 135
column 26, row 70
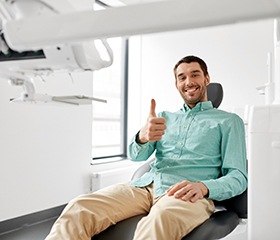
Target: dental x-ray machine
column 40, row 37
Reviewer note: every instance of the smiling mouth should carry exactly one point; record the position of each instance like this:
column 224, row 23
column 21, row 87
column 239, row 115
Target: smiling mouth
column 191, row 89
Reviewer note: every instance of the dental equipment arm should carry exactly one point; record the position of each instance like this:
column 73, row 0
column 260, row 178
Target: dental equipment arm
column 132, row 20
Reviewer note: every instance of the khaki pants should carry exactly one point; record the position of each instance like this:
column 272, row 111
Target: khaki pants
column 168, row 218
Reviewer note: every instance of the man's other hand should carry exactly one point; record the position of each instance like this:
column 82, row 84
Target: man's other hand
column 187, row 190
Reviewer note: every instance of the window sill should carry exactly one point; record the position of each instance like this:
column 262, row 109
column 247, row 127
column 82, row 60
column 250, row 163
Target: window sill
column 113, row 163
column 107, row 160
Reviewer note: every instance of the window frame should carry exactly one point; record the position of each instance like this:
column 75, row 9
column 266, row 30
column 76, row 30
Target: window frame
column 124, row 109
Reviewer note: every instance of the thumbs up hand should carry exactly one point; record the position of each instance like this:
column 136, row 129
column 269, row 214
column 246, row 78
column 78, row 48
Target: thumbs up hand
column 154, row 127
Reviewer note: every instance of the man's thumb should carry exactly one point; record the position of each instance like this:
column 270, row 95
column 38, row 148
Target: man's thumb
column 153, row 108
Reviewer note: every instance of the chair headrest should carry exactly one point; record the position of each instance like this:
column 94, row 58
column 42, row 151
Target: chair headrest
column 215, row 94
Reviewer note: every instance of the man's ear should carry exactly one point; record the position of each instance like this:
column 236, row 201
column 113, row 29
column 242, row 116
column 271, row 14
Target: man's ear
column 207, row 80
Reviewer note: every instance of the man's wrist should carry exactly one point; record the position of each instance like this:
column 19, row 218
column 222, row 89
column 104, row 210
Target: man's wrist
column 137, row 139
column 205, row 190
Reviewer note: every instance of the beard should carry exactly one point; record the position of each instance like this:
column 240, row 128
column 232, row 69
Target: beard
column 192, row 99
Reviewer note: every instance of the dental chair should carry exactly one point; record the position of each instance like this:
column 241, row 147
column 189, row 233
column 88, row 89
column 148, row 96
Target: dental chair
column 220, row 224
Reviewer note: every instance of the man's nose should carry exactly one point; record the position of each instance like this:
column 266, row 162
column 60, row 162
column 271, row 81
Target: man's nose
column 189, row 82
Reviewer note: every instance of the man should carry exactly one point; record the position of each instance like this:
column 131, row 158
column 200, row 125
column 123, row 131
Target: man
column 200, row 157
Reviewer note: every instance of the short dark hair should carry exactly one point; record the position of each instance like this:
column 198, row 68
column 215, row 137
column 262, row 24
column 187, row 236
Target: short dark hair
column 190, row 59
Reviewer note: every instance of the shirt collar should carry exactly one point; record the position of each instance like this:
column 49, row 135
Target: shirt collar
column 201, row 106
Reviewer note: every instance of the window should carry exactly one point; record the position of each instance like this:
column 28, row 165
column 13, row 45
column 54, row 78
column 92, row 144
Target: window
column 109, row 120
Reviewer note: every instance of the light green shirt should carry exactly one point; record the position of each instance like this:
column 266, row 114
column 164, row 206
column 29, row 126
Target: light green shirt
column 202, row 144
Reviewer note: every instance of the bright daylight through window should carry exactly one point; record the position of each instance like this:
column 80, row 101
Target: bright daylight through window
column 108, row 125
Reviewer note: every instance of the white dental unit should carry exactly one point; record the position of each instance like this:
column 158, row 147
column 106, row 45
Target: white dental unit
column 64, row 44
column 264, row 156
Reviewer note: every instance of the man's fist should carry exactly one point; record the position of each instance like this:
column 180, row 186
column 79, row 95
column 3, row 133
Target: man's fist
column 154, row 127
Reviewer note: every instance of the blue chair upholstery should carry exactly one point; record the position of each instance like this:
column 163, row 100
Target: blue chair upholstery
column 220, row 224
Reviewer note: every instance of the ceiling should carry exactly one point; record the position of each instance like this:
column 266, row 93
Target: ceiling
column 117, row 3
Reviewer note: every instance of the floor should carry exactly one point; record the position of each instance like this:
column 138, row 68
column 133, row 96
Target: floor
column 240, row 232
column 36, row 231
column 40, row 230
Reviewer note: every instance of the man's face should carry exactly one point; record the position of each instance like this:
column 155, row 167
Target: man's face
column 191, row 83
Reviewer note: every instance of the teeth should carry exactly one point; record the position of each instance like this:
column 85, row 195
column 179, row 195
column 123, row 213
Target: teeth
column 190, row 90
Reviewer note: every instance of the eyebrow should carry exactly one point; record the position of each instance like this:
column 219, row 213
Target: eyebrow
column 194, row 71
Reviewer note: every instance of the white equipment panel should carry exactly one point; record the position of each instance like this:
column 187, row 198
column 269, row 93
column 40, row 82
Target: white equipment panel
column 264, row 173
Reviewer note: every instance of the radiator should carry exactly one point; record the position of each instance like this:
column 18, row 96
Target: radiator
column 106, row 178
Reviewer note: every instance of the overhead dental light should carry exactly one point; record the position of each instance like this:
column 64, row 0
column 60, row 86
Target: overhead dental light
column 22, row 67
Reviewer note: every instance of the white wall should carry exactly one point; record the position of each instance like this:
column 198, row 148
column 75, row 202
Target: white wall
column 236, row 56
column 45, row 151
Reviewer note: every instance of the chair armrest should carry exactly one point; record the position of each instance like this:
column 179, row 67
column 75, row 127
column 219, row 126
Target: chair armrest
column 142, row 169
column 237, row 204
